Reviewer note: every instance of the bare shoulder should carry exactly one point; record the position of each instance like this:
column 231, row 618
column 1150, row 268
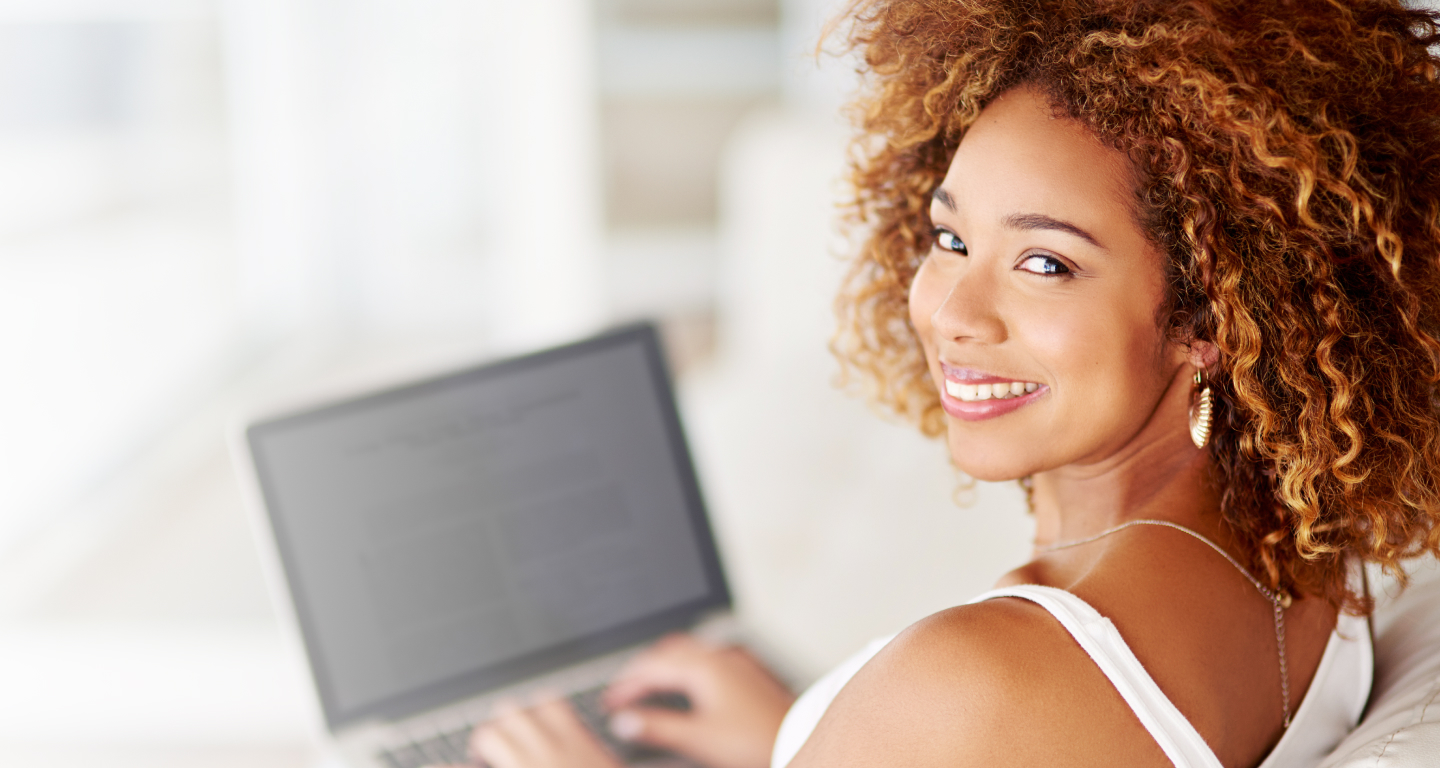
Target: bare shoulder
column 997, row 683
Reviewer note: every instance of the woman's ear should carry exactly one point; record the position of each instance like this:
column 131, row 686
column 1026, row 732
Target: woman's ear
column 1202, row 354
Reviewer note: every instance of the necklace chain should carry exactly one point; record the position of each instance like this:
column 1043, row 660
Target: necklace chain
column 1278, row 600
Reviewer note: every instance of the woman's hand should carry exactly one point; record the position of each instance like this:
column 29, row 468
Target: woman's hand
column 736, row 705
column 547, row 735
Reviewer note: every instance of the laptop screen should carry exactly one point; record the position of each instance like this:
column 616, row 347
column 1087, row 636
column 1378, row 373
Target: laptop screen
column 469, row 531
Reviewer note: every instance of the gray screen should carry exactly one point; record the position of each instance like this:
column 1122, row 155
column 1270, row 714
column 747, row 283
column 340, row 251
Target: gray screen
column 451, row 528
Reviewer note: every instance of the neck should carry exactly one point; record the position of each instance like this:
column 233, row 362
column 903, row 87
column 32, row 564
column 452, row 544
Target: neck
column 1160, row 476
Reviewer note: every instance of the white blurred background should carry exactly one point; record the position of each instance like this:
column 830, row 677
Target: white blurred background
column 206, row 204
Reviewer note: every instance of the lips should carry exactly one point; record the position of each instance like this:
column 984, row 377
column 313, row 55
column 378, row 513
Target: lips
column 974, row 395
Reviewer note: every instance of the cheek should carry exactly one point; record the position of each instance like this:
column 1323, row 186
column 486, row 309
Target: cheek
column 1063, row 339
column 1105, row 359
column 926, row 294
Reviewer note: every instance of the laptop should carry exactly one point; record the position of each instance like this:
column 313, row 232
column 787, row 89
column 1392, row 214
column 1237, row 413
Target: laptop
column 520, row 525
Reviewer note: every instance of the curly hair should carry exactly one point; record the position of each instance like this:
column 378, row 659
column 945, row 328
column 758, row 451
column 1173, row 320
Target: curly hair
column 1289, row 162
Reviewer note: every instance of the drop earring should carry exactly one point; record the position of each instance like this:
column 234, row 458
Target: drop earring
column 1201, row 413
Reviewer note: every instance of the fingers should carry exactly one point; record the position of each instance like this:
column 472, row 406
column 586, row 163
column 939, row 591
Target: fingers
column 502, row 741
column 675, row 731
column 496, row 747
column 522, row 726
column 560, row 720
column 547, row 735
column 674, row 663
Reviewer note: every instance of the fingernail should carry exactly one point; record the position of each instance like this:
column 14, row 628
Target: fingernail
column 626, row 725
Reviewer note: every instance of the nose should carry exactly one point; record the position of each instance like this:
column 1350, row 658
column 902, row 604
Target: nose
column 969, row 310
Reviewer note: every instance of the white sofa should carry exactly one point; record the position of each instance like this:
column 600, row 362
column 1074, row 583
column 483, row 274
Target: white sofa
column 1401, row 727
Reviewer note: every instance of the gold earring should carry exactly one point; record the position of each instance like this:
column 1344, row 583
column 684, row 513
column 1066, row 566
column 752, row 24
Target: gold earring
column 1200, row 414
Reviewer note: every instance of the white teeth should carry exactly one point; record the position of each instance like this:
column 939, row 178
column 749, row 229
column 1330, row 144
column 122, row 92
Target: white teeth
column 970, row 393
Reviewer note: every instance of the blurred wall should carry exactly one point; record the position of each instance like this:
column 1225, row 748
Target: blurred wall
column 116, row 256
column 409, row 168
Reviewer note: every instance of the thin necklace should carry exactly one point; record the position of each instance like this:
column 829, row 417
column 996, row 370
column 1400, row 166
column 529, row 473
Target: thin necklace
column 1279, row 600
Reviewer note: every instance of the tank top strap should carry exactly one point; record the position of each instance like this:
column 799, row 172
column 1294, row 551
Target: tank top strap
column 1096, row 634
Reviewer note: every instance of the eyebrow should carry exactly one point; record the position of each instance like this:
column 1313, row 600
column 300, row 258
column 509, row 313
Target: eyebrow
column 1025, row 220
column 1041, row 221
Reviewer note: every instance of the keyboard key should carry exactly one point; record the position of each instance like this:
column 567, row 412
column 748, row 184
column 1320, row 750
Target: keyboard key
column 460, row 743
column 389, row 760
column 439, row 752
column 406, row 756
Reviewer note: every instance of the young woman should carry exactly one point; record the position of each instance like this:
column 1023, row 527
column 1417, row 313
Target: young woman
column 1175, row 265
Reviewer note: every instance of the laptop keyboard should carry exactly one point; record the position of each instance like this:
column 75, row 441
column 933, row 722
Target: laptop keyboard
column 451, row 748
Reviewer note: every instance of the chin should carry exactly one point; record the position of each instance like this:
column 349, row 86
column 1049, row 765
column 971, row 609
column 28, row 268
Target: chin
column 990, row 471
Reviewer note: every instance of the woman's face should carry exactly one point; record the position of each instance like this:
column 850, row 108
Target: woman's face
column 1038, row 302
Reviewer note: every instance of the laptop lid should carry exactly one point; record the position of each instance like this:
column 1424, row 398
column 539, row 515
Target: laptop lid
column 471, row 530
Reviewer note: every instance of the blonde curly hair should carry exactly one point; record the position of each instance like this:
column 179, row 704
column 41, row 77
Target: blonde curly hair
column 1289, row 157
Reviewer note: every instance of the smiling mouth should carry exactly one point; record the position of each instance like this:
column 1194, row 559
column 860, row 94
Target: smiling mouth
column 971, row 394
column 1000, row 390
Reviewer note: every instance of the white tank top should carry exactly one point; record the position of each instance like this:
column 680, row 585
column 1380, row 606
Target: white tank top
column 1331, row 707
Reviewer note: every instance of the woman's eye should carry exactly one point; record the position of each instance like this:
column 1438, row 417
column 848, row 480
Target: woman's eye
column 1042, row 264
column 949, row 241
